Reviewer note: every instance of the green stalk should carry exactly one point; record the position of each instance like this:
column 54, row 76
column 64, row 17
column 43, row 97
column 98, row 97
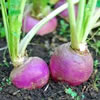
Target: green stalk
column 79, row 26
column 74, row 36
column 94, row 20
column 6, row 24
column 88, row 18
column 15, row 20
column 25, row 41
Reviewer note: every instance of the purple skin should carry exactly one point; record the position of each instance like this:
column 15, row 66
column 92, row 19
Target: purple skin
column 71, row 67
column 64, row 14
column 32, row 75
column 29, row 22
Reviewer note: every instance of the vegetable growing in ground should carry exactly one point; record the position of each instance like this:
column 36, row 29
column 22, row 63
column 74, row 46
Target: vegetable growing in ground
column 72, row 62
column 64, row 14
column 34, row 13
column 28, row 72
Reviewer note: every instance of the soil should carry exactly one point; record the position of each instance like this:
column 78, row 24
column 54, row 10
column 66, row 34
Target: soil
column 44, row 47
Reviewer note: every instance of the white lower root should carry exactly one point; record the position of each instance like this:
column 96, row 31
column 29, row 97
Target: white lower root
column 83, row 46
column 19, row 61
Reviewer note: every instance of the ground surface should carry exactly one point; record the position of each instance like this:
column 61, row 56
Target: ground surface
column 43, row 47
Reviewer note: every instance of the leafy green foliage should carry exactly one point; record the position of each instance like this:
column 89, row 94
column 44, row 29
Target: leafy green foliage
column 95, row 43
column 2, row 31
column 95, row 46
column 73, row 94
column 63, row 28
column 0, row 88
column 13, row 6
column 96, row 63
column 98, row 3
column 6, row 4
column 12, row 18
column 70, row 92
column 96, row 80
column 5, row 81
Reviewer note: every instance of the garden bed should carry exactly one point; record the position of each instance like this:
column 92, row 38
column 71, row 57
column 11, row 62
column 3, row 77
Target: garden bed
column 44, row 47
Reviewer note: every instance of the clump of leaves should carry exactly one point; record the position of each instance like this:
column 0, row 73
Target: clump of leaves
column 0, row 88
column 5, row 81
column 95, row 46
column 96, row 82
column 96, row 63
column 2, row 31
column 70, row 92
column 95, row 43
column 63, row 28
column 73, row 94
column 96, row 75
column 98, row 3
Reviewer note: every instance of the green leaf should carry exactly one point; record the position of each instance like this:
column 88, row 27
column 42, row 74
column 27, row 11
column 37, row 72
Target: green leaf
column 2, row 32
column 0, row 88
column 74, row 94
column 98, row 3
column 96, row 62
column 14, row 12
column 71, row 92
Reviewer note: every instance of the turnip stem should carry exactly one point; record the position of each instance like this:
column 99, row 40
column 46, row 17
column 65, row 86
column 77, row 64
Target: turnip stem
column 6, row 24
column 25, row 41
column 74, row 36
column 82, row 4
column 13, row 23
column 89, row 11
column 16, row 30
column 92, row 23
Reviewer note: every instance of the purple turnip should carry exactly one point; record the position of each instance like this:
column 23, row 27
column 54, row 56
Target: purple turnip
column 28, row 72
column 64, row 14
column 72, row 62
column 36, row 12
column 71, row 66
column 33, row 74
column 29, row 22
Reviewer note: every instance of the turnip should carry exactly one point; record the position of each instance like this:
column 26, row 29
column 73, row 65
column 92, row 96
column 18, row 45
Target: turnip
column 28, row 72
column 32, row 74
column 64, row 14
column 29, row 22
column 34, row 13
column 72, row 62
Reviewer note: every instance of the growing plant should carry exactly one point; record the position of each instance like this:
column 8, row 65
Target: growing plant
column 28, row 72
column 63, row 28
column 95, row 44
column 72, row 62
column 64, row 14
column 98, row 3
column 72, row 93
column 2, row 31
column 35, row 11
